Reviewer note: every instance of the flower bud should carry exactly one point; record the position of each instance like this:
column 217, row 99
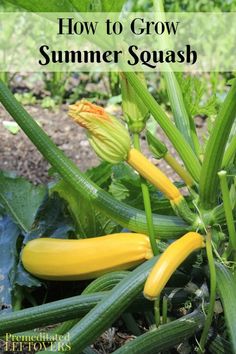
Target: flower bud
column 108, row 137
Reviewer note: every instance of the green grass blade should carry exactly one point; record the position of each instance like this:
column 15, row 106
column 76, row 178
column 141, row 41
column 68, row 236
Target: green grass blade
column 123, row 214
column 227, row 289
column 165, row 337
column 182, row 147
column 209, row 181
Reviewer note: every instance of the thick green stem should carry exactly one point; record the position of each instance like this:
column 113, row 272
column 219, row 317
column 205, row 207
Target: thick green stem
column 209, row 182
column 228, row 210
column 147, row 204
column 182, row 147
column 210, row 310
column 165, row 337
column 123, row 214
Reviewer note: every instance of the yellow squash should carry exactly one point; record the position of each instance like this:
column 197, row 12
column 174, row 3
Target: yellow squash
column 169, row 261
column 155, row 176
column 58, row 259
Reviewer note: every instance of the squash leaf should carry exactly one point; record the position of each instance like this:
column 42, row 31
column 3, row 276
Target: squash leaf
column 9, row 233
column 21, row 199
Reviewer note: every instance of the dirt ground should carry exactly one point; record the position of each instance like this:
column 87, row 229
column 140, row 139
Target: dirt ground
column 19, row 154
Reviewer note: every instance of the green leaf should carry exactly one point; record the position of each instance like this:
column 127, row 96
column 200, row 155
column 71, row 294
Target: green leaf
column 227, row 289
column 194, row 92
column 100, row 174
column 51, row 221
column 9, row 233
column 112, row 5
column 21, row 199
column 81, row 210
column 69, row 5
column 88, row 220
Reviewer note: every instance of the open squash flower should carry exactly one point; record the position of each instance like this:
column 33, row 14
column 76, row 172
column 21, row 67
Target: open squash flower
column 108, row 137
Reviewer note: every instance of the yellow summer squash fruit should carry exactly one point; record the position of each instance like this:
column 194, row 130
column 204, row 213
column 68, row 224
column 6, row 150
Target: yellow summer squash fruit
column 169, row 261
column 59, row 259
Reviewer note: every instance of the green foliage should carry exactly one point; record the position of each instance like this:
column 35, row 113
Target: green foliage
column 69, row 5
column 9, row 233
column 194, row 90
column 21, row 199
column 89, row 222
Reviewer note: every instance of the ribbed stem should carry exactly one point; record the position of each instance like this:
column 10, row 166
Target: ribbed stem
column 210, row 310
column 165, row 337
column 230, row 152
column 147, row 203
column 228, row 210
column 209, row 181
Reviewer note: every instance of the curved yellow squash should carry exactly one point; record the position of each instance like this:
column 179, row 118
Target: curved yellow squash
column 58, row 259
column 169, row 261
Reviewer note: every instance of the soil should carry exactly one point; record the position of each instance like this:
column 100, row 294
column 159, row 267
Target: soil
column 20, row 155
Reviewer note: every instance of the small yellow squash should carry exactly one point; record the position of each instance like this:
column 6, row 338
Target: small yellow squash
column 169, row 261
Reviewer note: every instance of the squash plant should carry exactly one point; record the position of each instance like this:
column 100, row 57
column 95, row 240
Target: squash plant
column 209, row 210
column 201, row 221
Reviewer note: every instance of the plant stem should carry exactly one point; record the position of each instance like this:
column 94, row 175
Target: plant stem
column 228, row 210
column 210, row 311
column 209, row 182
column 164, row 310
column 179, row 169
column 157, row 311
column 147, row 203
column 230, row 152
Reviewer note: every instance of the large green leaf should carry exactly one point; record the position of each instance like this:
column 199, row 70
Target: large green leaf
column 9, row 233
column 226, row 283
column 89, row 221
column 52, row 221
column 21, row 199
